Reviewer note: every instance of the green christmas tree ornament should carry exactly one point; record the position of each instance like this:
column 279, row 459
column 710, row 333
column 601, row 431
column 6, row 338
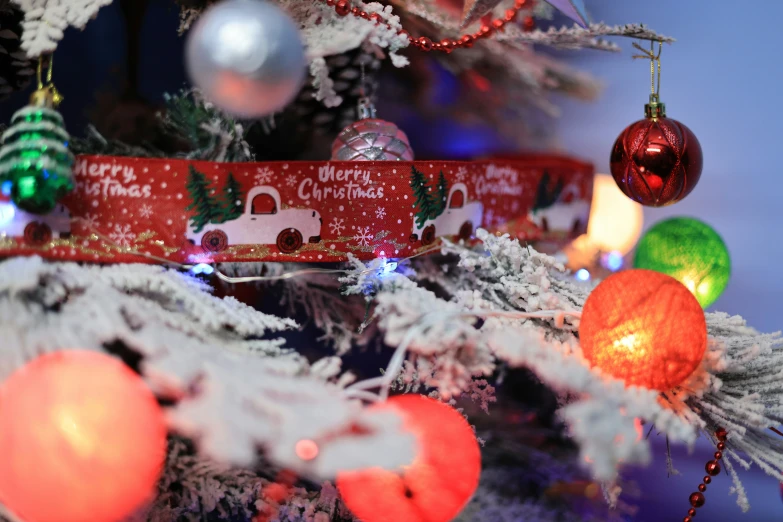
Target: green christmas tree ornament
column 34, row 155
column 689, row 251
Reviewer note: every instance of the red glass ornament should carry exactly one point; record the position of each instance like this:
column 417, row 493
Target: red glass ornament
column 371, row 139
column 645, row 328
column 83, row 439
column 702, row 487
column 656, row 161
column 691, row 512
column 696, row 499
column 439, row 482
column 707, row 479
column 721, row 446
column 718, row 455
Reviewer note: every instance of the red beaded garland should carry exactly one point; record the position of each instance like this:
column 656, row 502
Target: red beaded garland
column 696, row 499
column 528, row 24
column 424, row 43
column 712, row 468
column 344, row 8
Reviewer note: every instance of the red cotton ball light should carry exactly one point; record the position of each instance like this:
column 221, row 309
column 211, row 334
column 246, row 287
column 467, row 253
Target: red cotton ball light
column 645, row 328
column 440, row 481
column 83, row 439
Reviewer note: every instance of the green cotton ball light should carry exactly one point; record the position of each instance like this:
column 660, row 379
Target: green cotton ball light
column 691, row 252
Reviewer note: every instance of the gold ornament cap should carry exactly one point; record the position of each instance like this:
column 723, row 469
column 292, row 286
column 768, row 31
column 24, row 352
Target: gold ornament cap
column 46, row 96
column 655, row 109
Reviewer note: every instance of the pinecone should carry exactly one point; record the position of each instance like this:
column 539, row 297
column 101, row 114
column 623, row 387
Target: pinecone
column 16, row 69
column 346, row 72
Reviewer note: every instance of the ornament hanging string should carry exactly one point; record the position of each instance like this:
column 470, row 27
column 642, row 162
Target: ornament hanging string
column 655, row 59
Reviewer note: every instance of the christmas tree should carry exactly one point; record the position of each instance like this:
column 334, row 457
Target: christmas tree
column 427, row 207
column 309, row 357
column 231, row 200
column 442, row 190
column 203, row 201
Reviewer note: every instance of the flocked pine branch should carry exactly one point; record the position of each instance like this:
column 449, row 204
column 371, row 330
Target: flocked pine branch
column 737, row 386
column 45, row 21
column 193, row 489
column 580, row 38
column 210, row 134
column 181, row 336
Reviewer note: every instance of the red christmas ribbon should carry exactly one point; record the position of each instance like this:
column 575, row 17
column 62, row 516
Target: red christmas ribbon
column 201, row 212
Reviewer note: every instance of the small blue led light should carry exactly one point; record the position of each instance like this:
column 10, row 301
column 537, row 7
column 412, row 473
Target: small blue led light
column 582, row 274
column 389, row 267
column 5, row 188
column 614, row 261
column 202, row 268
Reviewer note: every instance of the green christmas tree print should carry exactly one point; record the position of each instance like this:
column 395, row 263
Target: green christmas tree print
column 426, row 207
column 231, row 200
column 207, row 209
column 443, row 194
column 35, row 158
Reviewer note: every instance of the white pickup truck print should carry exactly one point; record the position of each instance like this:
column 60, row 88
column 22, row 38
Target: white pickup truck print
column 263, row 222
column 35, row 229
column 459, row 218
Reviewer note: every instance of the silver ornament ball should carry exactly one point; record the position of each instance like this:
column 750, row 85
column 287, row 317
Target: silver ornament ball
column 246, row 56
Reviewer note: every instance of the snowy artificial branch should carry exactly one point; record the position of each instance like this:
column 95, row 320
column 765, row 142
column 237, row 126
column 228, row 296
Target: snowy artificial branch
column 580, row 38
column 738, row 386
column 234, row 388
column 45, row 21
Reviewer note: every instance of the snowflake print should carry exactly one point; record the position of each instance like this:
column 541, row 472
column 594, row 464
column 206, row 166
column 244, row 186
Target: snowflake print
column 145, row 211
column 363, row 236
column 462, row 173
column 380, row 212
column 264, row 175
column 90, row 221
column 489, row 218
column 122, row 235
column 290, row 180
column 337, row 226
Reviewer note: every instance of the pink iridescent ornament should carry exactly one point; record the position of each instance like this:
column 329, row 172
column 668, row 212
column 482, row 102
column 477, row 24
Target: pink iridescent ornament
column 371, row 139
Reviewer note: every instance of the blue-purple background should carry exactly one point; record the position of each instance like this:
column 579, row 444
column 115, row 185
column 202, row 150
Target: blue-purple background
column 722, row 78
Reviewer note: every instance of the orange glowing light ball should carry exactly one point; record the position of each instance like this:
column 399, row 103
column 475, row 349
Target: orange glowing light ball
column 83, row 439
column 645, row 328
column 439, row 482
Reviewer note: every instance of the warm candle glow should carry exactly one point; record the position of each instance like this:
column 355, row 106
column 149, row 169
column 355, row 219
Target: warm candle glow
column 615, row 221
